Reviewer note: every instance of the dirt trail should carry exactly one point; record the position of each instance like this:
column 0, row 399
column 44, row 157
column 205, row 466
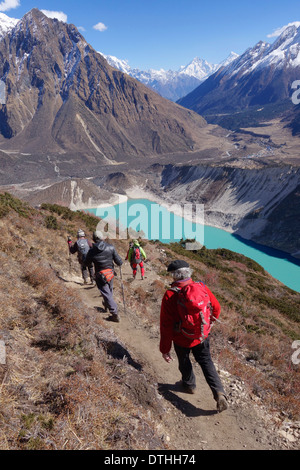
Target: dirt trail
column 191, row 422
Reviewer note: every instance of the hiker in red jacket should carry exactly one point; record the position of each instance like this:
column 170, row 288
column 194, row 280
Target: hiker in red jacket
column 185, row 340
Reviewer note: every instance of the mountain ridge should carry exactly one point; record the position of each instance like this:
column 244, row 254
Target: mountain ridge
column 257, row 81
column 169, row 84
column 172, row 84
column 59, row 87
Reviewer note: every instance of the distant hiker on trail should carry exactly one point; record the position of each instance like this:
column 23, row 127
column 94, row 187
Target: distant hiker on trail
column 135, row 256
column 188, row 310
column 130, row 246
column 82, row 246
column 103, row 256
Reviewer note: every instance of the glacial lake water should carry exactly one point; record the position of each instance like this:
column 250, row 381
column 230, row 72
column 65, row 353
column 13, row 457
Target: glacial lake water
column 155, row 222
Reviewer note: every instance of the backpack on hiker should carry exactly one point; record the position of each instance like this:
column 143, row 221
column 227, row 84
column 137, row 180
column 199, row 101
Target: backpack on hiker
column 194, row 309
column 136, row 255
column 83, row 248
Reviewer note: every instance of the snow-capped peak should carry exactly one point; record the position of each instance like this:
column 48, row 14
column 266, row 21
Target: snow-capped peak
column 170, row 83
column 119, row 64
column 284, row 52
column 232, row 56
column 6, row 24
column 198, row 68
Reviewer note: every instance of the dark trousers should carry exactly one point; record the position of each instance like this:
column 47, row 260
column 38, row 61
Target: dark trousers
column 106, row 290
column 201, row 353
column 87, row 271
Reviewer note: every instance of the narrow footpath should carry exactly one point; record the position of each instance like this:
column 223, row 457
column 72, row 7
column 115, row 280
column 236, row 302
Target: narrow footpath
column 191, row 421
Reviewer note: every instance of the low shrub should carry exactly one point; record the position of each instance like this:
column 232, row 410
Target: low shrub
column 9, row 202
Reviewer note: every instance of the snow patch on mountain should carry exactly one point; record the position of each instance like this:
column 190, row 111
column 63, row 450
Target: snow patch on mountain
column 283, row 52
column 6, row 24
column 198, row 68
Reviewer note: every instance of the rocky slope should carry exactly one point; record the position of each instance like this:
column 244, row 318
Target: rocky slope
column 64, row 100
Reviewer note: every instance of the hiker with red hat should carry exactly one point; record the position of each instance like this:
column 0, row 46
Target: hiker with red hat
column 188, row 310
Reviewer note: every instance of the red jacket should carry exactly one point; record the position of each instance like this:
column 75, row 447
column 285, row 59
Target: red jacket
column 169, row 316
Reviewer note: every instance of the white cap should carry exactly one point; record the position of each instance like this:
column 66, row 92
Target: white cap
column 98, row 235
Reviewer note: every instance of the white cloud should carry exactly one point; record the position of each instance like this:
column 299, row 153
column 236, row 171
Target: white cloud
column 278, row 31
column 59, row 15
column 9, row 4
column 81, row 28
column 100, row 27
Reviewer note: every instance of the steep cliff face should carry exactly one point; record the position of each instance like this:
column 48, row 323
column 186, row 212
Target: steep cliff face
column 259, row 204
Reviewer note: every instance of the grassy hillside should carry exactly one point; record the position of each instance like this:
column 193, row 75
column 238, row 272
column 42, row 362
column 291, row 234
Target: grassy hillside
column 69, row 383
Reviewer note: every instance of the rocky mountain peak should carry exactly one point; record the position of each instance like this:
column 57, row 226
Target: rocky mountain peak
column 62, row 97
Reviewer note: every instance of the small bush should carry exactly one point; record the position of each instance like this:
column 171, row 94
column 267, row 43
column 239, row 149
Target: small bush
column 65, row 213
column 51, row 222
column 8, row 203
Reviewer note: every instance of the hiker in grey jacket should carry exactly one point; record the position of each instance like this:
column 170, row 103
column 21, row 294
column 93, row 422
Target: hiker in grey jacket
column 81, row 247
column 104, row 256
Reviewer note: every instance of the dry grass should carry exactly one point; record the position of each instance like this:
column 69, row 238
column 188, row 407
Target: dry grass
column 64, row 388
column 58, row 389
column 260, row 320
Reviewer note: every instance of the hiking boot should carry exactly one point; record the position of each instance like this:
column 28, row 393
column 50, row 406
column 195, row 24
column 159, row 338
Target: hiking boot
column 222, row 403
column 187, row 388
column 115, row 318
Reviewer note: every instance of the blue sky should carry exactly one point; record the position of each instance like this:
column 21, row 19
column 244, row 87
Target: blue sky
column 168, row 33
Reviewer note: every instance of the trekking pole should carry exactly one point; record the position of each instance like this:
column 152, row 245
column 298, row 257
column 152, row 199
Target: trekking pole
column 122, row 286
column 70, row 261
column 216, row 319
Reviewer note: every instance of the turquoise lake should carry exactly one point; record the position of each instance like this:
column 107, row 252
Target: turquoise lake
column 155, row 222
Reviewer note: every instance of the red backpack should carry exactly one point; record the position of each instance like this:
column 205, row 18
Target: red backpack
column 194, row 308
column 136, row 255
